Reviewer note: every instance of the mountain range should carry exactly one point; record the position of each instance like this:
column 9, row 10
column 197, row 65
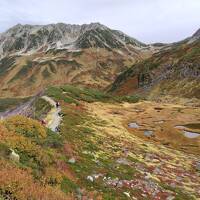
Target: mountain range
column 33, row 38
column 87, row 112
column 36, row 56
column 33, row 57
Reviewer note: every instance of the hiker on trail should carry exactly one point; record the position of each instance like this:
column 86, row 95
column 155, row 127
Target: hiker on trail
column 57, row 104
column 43, row 122
column 57, row 129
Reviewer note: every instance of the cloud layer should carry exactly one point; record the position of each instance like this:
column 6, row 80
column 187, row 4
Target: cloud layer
column 147, row 20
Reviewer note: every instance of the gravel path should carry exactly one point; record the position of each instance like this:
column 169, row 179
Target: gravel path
column 53, row 118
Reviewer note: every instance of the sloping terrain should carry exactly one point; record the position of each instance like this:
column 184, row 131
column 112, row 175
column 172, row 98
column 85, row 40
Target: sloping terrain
column 26, row 75
column 23, row 39
column 97, row 145
column 99, row 154
column 175, row 71
column 33, row 57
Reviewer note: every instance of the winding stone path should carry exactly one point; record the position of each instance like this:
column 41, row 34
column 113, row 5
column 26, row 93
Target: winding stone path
column 53, row 118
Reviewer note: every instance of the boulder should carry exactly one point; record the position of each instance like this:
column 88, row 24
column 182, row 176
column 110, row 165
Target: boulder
column 14, row 156
column 72, row 161
column 90, row 178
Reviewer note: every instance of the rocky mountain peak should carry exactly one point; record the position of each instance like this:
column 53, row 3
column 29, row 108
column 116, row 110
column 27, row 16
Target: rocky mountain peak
column 197, row 33
column 22, row 39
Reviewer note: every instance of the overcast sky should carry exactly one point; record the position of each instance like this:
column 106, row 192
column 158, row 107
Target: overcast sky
column 146, row 20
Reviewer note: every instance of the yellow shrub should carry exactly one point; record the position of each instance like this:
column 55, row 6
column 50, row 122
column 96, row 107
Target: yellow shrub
column 23, row 144
column 19, row 183
column 25, row 126
column 52, row 176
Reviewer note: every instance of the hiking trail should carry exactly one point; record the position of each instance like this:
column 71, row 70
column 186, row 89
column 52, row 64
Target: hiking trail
column 53, row 118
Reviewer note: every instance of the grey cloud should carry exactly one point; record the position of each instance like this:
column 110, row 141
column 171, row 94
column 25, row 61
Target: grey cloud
column 146, row 20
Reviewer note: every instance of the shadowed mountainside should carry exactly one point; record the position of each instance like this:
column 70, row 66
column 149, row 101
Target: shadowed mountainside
column 175, row 70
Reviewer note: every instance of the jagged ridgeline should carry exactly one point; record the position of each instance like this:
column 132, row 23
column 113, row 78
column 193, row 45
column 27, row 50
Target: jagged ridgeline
column 33, row 57
column 24, row 38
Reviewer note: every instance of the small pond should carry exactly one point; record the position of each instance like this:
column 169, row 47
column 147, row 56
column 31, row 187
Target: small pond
column 189, row 134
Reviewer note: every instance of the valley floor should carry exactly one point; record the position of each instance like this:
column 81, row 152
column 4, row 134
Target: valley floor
column 104, row 149
column 158, row 166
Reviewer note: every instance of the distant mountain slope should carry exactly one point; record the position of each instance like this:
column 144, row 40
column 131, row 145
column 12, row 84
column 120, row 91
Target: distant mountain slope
column 106, row 38
column 30, row 38
column 175, row 70
column 34, row 57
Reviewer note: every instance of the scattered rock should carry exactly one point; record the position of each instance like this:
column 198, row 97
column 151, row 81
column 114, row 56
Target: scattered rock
column 127, row 194
column 157, row 171
column 14, row 156
column 120, row 184
column 96, row 176
column 139, row 110
column 123, row 161
column 112, row 182
column 90, row 178
column 147, row 176
column 160, row 122
column 133, row 125
column 173, row 185
column 170, row 198
column 148, row 133
column 180, row 127
column 72, row 161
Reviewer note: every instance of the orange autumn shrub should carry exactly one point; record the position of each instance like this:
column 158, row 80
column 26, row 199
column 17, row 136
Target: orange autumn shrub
column 4, row 147
column 52, row 176
column 18, row 184
column 3, row 132
column 35, row 176
column 25, row 126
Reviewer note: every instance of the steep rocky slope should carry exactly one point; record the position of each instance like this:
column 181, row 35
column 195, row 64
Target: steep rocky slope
column 175, row 70
column 33, row 57
column 31, row 38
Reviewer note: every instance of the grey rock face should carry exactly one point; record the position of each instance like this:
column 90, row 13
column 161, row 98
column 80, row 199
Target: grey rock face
column 197, row 34
column 31, row 38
